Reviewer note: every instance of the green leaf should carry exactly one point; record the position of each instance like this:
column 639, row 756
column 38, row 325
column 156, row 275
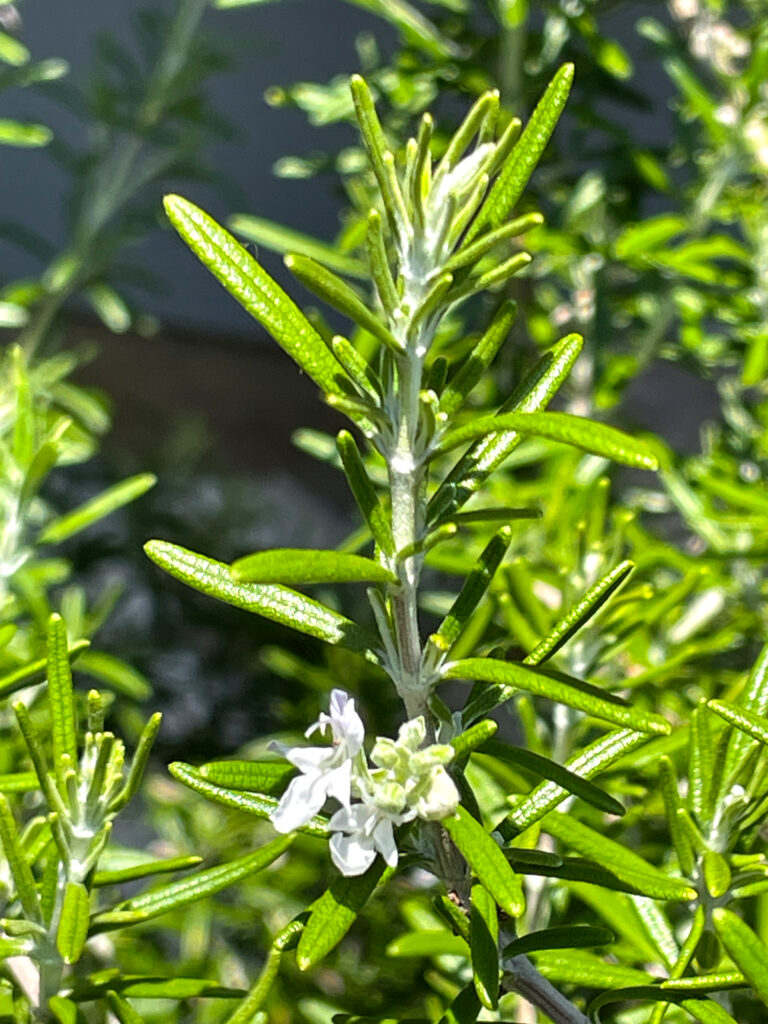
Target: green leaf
column 188, row 890
column 73, row 924
column 511, row 678
column 586, row 970
column 745, row 948
column 563, row 937
column 153, row 987
column 21, row 872
column 472, row 738
column 248, row 1010
column 707, row 1011
column 464, row 1009
column 64, row 1010
column 122, row 1009
column 478, row 361
column 439, row 942
column 626, row 865
column 413, row 26
column 34, row 672
column 115, row 673
column 338, row 294
column 473, row 589
column 18, row 782
column 364, row 493
column 284, row 240
column 528, row 150
column 484, row 942
column 14, row 133
column 596, row 438
column 754, row 698
column 701, row 766
column 61, row 700
column 593, row 759
column 255, row 290
column 334, row 913
column 12, row 51
column 300, row 565
column 270, row 600
column 548, row 769
column 268, row 777
column 145, row 869
column 534, row 393
column 580, row 613
column 139, row 763
column 487, row 861
column 251, row 803
column 97, row 508
column 752, row 725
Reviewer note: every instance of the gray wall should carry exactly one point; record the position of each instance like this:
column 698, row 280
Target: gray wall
column 277, row 43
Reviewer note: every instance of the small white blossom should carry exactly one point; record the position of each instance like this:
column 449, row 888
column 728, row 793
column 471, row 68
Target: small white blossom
column 408, row 781
column 325, row 771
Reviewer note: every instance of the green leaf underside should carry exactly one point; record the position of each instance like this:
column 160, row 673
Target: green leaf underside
column 259, row 805
column 267, row 777
column 525, row 156
column 589, row 436
column 296, row 565
column 255, row 290
column 596, row 757
column 191, row 889
column 581, row 612
column 534, row 393
column 273, row 602
column 626, row 865
column 73, row 925
column 487, row 861
column 555, row 772
column 61, row 698
column 512, row 678
column 145, row 869
column 745, row 948
column 334, row 913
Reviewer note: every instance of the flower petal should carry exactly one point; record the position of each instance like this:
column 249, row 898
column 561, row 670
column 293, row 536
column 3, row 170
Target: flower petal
column 384, row 841
column 304, row 797
column 352, row 855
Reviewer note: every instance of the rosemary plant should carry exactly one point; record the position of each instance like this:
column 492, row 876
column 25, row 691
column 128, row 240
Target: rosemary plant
column 432, row 244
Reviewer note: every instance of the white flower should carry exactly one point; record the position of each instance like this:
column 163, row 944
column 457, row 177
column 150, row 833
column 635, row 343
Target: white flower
column 325, row 771
column 360, row 833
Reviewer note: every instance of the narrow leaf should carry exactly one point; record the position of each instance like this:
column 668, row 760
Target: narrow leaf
column 334, row 913
column 478, row 361
column 251, row 803
column 339, row 295
column 192, row 889
column 625, row 864
column 437, row 942
column 145, row 869
column 562, row 937
column 255, row 290
column 525, row 156
column 474, row 588
column 118, row 675
column 580, row 613
column 548, row 769
column 752, row 725
column 487, row 861
column 707, row 1011
column 511, row 677
column 595, row 758
column 73, row 924
column 273, row 602
column 35, row 671
column 283, row 240
column 21, row 872
column 364, row 493
column 745, row 948
column 61, row 700
column 484, row 943
column 534, row 393
column 299, row 565
column 97, row 508
column 596, row 438
column 268, row 777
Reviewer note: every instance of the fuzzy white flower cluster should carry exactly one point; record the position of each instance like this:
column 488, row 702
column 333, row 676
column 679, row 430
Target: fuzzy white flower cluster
column 407, row 781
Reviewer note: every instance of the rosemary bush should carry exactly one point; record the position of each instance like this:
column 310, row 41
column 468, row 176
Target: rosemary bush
column 527, row 627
